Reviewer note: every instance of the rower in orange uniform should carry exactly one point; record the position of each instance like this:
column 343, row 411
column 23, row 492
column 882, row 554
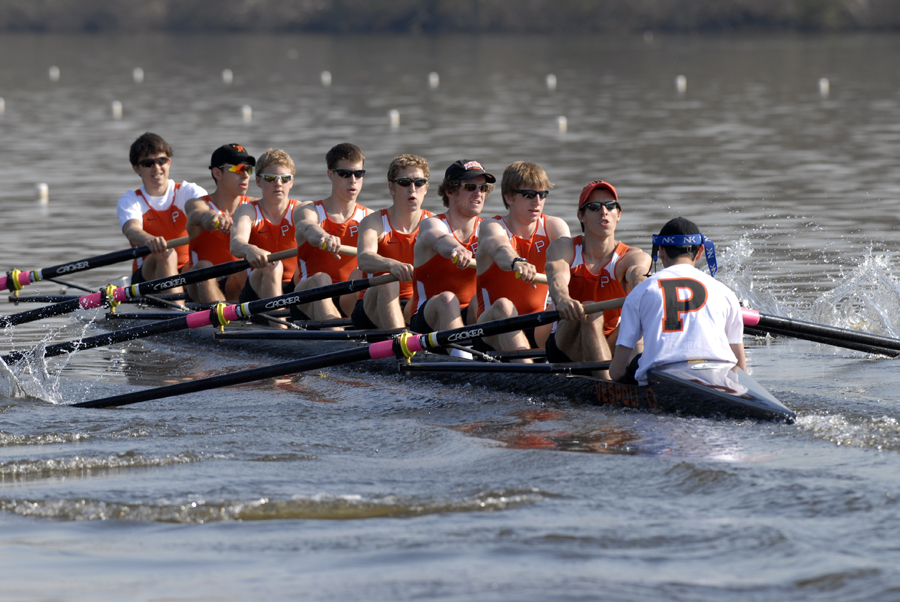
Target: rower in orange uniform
column 155, row 213
column 210, row 219
column 386, row 240
column 266, row 226
column 591, row 267
column 512, row 251
column 443, row 287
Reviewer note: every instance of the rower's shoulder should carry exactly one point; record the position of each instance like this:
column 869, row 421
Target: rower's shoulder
column 556, row 227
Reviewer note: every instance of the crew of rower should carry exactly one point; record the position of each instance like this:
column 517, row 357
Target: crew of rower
column 526, row 261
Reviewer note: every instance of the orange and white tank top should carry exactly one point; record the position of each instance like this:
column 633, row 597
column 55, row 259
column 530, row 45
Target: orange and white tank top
column 495, row 283
column 438, row 274
column 311, row 261
column 214, row 246
column 586, row 287
column 398, row 246
column 170, row 222
column 276, row 237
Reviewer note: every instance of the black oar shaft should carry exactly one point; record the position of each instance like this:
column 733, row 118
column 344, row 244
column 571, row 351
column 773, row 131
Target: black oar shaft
column 797, row 327
column 237, row 378
column 854, row 345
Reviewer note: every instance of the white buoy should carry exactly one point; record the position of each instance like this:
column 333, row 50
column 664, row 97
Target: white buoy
column 434, row 80
column 2, row 105
column 563, row 124
column 648, row 37
column 824, row 87
column 551, row 82
column 138, row 75
column 326, row 78
column 394, row 116
column 43, row 192
column 681, row 84
column 54, row 73
column 247, row 112
column 117, row 109
column 227, row 76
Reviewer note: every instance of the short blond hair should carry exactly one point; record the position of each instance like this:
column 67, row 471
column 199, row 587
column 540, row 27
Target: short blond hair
column 404, row 161
column 274, row 156
column 523, row 174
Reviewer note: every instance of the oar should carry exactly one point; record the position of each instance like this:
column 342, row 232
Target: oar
column 345, row 250
column 219, row 315
column 16, row 280
column 115, row 295
column 404, row 346
column 818, row 333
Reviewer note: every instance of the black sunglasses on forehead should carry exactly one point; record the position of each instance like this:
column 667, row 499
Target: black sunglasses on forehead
column 595, row 206
column 346, row 173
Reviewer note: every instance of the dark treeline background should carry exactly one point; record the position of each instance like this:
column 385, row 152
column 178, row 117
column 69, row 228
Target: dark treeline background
column 447, row 16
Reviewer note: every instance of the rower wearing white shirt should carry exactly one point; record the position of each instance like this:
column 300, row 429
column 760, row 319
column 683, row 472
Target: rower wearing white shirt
column 682, row 313
column 155, row 213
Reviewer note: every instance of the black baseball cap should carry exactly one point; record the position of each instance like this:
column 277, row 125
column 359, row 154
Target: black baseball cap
column 232, row 154
column 466, row 170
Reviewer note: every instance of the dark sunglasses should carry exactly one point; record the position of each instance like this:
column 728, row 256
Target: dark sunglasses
column 346, row 173
column 595, row 206
column 530, row 194
column 473, row 187
column 271, row 177
column 152, row 162
column 405, row 182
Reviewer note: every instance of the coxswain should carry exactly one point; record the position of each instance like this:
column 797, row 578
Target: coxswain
column 591, row 267
column 443, row 286
column 210, row 219
column 323, row 226
column 386, row 241
column 155, row 212
column 682, row 313
column 512, row 251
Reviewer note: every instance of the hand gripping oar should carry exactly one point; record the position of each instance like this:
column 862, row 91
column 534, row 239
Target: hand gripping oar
column 818, row 333
column 217, row 316
column 113, row 296
column 404, row 346
column 345, row 250
column 16, row 280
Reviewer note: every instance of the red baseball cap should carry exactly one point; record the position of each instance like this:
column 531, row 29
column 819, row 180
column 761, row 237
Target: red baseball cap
column 587, row 190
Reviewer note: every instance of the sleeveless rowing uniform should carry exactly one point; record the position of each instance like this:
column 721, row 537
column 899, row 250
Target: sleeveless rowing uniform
column 439, row 274
column 586, row 287
column 276, row 237
column 213, row 246
column 398, row 246
column 495, row 283
column 312, row 261
column 169, row 222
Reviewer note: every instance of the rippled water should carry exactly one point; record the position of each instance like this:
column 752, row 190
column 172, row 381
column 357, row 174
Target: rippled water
column 353, row 485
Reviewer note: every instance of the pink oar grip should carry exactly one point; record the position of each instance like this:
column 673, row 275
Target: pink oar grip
column 90, row 301
column 2, row 282
column 381, row 350
column 750, row 316
column 198, row 319
column 231, row 313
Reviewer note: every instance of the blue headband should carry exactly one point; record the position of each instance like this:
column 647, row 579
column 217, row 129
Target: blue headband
column 688, row 240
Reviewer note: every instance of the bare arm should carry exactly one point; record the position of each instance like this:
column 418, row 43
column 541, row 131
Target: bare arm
column 201, row 215
column 240, row 238
column 634, row 268
column 738, row 349
column 308, row 230
column 560, row 255
column 494, row 248
column 618, row 368
column 556, row 228
column 137, row 236
column 434, row 237
column 370, row 232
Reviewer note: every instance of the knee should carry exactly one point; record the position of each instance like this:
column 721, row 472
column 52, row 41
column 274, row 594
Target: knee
column 504, row 308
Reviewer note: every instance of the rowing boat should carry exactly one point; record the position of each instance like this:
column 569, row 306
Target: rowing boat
column 708, row 389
